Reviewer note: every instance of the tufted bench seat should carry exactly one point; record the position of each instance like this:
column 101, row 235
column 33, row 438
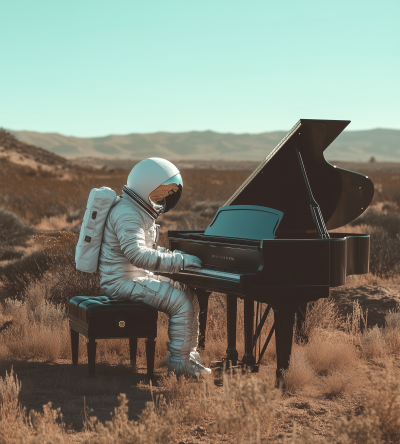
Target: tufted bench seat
column 99, row 317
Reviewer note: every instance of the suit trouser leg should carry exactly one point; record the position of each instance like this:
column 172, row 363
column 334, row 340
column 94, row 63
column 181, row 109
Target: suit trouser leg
column 182, row 308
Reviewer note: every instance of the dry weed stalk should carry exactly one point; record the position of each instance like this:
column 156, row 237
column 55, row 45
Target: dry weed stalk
column 300, row 373
column 154, row 426
column 392, row 331
column 12, row 415
column 321, row 315
column 48, row 427
column 380, row 420
column 247, row 408
column 356, row 323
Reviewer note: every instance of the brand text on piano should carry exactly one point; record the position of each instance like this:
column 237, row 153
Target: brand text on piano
column 223, row 257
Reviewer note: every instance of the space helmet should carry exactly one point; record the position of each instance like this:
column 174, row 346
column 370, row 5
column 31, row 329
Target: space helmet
column 157, row 182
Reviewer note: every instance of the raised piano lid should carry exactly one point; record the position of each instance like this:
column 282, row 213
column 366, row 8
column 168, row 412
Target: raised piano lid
column 278, row 181
column 245, row 222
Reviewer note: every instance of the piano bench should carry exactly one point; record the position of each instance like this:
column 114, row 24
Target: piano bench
column 99, row 317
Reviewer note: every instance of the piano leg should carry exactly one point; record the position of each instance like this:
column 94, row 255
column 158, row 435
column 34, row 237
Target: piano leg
column 202, row 297
column 249, row 358
column 231, row 352
column 284, row 323
column 300, row 318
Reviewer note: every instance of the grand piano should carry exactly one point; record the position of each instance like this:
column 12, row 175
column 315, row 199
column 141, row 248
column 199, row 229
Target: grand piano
column 270, row 242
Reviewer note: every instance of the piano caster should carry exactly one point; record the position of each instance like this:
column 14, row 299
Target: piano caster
column 253, row 368
column 228, row 365
column 225, row 365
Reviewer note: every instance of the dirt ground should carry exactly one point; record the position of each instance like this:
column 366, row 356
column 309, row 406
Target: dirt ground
column 69, row 388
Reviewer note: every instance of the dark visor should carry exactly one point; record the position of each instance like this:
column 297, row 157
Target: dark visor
column 167, row 195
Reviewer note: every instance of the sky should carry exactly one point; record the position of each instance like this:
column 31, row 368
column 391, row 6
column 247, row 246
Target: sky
column 91, row 68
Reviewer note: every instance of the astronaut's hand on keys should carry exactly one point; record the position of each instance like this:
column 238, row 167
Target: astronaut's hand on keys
column 190, row 262
column 179, row 251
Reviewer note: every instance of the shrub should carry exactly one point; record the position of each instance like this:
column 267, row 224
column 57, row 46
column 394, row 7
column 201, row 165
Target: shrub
column 39, row 332
column 373, row 344
column 321, row 314
column 18, row 274
column 392, row 332
column 9, row 254
column 153, row 427
column 13, row 230
column 299, row 373
column 11, row 413
column 380, row 420
column 66, row 280
column 385, row 254
column 193, row 221
column 330, row 352
column 388, row 222
column 207, row 208
column 248, row 405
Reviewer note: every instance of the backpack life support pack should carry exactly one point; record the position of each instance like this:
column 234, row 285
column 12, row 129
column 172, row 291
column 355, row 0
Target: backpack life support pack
column 91, row 235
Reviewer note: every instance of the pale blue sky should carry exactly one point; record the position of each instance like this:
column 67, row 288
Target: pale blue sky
column 96, row 67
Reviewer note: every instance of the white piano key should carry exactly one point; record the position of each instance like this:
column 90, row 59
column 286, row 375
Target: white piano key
column 208, row 272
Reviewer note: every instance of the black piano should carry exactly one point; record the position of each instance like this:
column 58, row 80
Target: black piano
column 270, row 242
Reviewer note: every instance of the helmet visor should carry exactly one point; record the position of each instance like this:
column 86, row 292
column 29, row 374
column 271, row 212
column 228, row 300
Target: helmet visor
column 167, row 195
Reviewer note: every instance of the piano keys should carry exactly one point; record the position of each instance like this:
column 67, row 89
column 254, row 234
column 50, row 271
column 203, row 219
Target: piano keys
column 263, row 244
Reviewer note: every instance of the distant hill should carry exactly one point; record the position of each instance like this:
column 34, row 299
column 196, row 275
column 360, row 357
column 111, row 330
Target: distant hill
column 28, row 155
column 352, row 146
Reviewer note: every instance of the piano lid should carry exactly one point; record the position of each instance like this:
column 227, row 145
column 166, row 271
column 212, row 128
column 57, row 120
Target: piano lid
column 278, row 181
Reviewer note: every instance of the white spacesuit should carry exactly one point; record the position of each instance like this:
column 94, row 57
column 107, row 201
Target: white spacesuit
column 129, row 256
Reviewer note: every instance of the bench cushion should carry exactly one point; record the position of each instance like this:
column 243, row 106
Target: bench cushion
column 102, row 317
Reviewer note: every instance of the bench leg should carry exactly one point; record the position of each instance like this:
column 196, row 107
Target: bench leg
column 133, row 350
column 91, row 353
column 150, row 354
column 74, row 346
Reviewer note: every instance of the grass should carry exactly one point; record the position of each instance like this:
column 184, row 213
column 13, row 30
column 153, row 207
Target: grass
column 341, row 385
column 334, row 364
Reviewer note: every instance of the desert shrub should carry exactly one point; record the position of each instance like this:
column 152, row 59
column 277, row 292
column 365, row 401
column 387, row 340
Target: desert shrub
column 380, row 420
column 247, row 408
column 11, row 413
column 299, row 374
column 385, row 254
column 154, row 426
column 192, row 221
column 373, row 344
column 338, row 383
column 9, row 254
column 391, row 332
column 39, row 332
column 76, row 214
column 47, row 427
column 321, row 314
column 356, row 323
column 17, row 275
column 330, row 352
column 215, row 185
column 389, row 222
column 207, row 208
column 385, row 240
column 66, row 280
column 13, row 230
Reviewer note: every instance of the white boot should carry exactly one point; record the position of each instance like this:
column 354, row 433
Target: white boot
column 194, row 356
column 181, row 367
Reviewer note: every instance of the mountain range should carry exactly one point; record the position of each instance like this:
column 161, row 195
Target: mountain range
column 353, row 146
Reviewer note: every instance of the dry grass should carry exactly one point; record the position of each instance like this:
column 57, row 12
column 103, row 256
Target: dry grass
column 237, row 408
column 341, row 384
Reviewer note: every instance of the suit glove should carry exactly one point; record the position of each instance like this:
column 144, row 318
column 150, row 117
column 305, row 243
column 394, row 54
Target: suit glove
column 190, row 262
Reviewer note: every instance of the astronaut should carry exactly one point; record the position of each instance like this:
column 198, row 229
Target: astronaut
column 129, row 256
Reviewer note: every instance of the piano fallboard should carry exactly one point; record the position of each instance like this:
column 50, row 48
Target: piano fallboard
column 246, row 256
column 273, row 265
